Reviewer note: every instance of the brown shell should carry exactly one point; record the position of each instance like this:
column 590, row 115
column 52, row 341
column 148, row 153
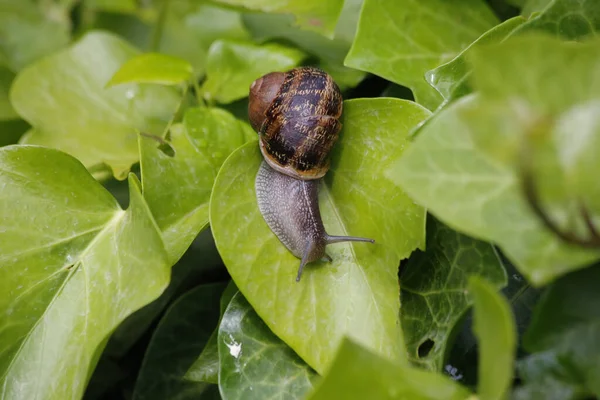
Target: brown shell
column 296, row 114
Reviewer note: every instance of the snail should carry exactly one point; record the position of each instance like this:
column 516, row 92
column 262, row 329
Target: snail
column 296, row 115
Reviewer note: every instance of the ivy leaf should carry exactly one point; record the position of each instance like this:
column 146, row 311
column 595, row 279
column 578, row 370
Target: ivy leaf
column 312, row 15
column 256, row 364
column 177, row 187
column 358, row 374
column 153, row 68
column 233, row 66
column 451, row 79
column 494, row 326
column 27, row 34
column 191, row 28
column 206, row 367
column 94, row 124
column 434, row 290
column 400, row 41
column 447, row 171
column 179, row 337
column 74, row 265
column 313, row 315
column 563, row 336
column 330, row 52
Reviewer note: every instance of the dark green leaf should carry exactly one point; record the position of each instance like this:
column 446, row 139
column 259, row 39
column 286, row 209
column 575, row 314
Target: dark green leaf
column 313, row 15
column 357, row 374
column 400, row 41
column 178, row 186
column 494, row 327
column 178, row 339
column 233, row 66
column 73, row 266
column 254, row 363
column 94, row 124
column 153, row 68
column 7, row 111
column 313, row 315
column 434, row 290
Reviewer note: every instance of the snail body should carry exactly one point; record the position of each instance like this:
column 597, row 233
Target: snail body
column 296, row 115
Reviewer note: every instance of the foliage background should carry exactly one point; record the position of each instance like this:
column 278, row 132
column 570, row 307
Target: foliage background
column 134, row 263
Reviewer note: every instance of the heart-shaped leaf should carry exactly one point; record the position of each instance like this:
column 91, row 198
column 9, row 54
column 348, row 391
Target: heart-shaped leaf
column 177, row 186
column 434, row 290
column 357, row 374
column 494, row 326
column 401, row 40
column 357, row 294
column 64, row 98
column 153, row 68
column 73, row 266
column 313, row 15
column 175, row 344
column 233, row 66
column 256, row 364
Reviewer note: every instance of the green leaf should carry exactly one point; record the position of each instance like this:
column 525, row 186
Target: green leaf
column 27, row 34
column 73, row 266
column 494, row 326
column 153, row 68
column 7, row 111
column 447, row 171
column 312, row 15
column 179, row 337
column 177, row 187
column 11, row 131
column 206, row 367
column 564, row 18
column 190, row 29
column 313, row 315
column 563, row 335
column 94, row 124
column 451, row 79
column 434, row 290
column 400, row 41
column 116, row 6
column 256, row 364
column 330, row 52
column 357, row 374
column 233, row 66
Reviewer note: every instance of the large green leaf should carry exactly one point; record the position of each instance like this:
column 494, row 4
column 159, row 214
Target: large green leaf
column 65, row 100
column 178, row 186
column 434, row 290
column 313, row 15
column 357, row 294
column 179, row 337
column 357, row 374
column 27, row 33
column 401, row 40
column 331, row 52
column 191, row 27
column 233, row 66
column 447, row 171
column 73, row 265
column 153, row 68
column 254, row 363
column 564, row 337
column 494, row 326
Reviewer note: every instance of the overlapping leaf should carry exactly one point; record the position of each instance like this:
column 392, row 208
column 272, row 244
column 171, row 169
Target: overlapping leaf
column 233, row 66
column 73, row 265
column 434, row 290
column 358, row 374
column 95, row 124
column 313, row 15
column 178, row 186
column 312, row 316
column 400, row 41
column 153, row 68
column 254, row 363
column 176, row 342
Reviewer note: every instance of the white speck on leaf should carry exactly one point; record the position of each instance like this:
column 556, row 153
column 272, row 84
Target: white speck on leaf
column 235, row 348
